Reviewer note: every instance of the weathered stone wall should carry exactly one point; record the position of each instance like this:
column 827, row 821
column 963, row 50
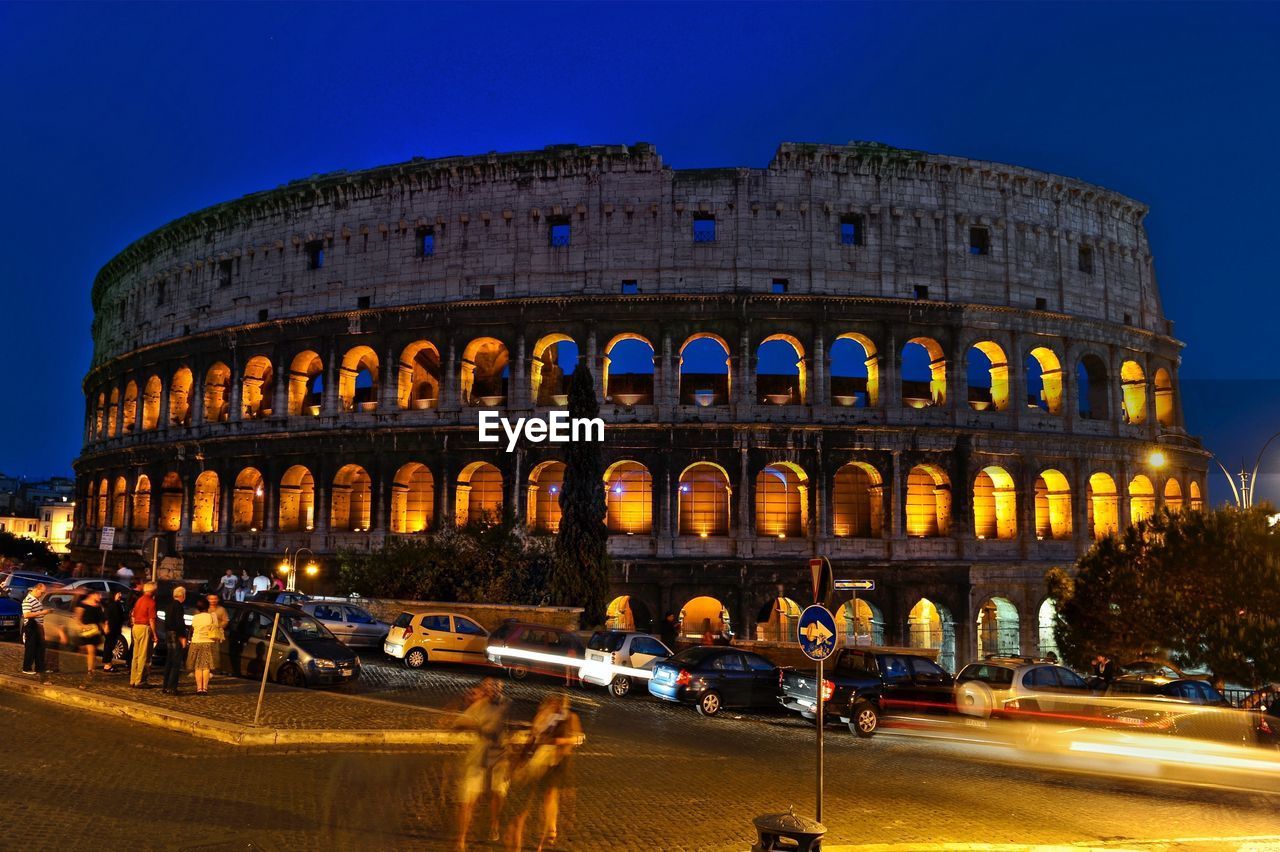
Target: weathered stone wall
column 488, row 616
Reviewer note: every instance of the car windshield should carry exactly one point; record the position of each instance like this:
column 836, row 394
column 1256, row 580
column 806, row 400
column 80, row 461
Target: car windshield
column 304, row 627
column 607, row 640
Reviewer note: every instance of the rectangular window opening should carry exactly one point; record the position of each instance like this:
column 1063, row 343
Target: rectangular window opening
column 315, row 254
column 559, row 232
column 487, row 291
column 262, row 315
column 979, row 241
column 161, row 286
column 1042, row 304
column 224, row 273
column 426, row 238
column 630, row 288
column 362, row 302
column 704, row 229
column 779, row 286
column 922, row 292
column 1084, row 260
column 851, row 230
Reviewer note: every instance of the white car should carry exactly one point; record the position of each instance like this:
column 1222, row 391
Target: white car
column 1009, row 686
column 617, row 658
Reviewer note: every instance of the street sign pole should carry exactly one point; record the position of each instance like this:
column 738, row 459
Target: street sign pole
column 821, row 719
column 816, row 632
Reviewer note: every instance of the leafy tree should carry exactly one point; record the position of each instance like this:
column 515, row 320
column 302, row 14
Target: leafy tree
column 1200, row 587
column 580, row 571
column 30, row 552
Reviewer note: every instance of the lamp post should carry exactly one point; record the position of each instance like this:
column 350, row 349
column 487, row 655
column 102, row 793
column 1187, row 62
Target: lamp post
column 289, row 567
column 1248, row 478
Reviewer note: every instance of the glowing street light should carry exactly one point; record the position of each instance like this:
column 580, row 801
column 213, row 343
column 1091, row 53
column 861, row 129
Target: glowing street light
column 289, row 567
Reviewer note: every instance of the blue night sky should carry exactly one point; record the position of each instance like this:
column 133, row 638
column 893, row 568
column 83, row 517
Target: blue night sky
column 122, row 118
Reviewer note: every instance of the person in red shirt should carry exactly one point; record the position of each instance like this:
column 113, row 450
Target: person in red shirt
column 144, row 631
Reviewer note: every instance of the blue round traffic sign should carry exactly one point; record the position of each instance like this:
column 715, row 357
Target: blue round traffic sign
column 817, row 632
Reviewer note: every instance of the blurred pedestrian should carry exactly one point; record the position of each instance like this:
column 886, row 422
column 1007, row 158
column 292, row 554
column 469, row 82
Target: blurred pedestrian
column 204, row 626
column 227, row 585
column 144, row 631
column 546, row 770
column 667, row 631
column 89, row 618
column 175, row 639
column 115, row 618
column 485, row 767
column 33, row 631
column 219, row 631
column 708, row 638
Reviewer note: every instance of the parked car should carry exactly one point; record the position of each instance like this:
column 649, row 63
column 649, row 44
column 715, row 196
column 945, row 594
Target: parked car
column 278, row 596
column 1007, row 686
column 609, row 650
column 61, row 629
column 712, row 677
column 521, row 648
column 1151, row 667
column 864, row 683
column 17, row 584
column 10, row 617
column 1190, row 690
column 419, row 638
column 354, row 625
column 306, row 653
column 100, row 584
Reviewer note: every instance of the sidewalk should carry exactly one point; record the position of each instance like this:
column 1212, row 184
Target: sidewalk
column 289, row 716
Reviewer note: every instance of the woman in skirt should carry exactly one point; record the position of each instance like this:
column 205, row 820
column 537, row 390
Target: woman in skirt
column 203, row 640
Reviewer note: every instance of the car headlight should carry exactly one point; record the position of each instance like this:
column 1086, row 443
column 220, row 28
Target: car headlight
column 324, row 664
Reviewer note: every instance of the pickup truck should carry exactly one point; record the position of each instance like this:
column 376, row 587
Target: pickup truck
column 863, row 683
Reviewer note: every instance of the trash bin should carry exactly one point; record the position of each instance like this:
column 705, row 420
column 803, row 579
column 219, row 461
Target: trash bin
column 787, row 832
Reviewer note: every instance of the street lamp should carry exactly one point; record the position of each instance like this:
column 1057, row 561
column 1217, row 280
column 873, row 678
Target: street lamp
column 1248, row 479
column 289, row 567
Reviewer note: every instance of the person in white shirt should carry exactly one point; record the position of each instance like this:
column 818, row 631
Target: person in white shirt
column 260, row 582
column 125, row 575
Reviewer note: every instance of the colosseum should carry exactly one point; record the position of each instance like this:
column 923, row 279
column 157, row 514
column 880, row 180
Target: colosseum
column 948, row 376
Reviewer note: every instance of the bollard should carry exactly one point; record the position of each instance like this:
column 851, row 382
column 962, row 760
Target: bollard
column 787, row 832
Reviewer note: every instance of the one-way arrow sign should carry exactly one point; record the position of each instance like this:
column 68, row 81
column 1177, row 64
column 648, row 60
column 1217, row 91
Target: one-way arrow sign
column 855, row 585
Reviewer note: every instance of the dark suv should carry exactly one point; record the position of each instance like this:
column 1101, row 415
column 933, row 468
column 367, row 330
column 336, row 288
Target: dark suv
column 863, row 683
column 521, row 648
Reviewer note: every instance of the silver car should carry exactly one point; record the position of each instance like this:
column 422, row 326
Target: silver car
column 1014, row 686
column 354, row 626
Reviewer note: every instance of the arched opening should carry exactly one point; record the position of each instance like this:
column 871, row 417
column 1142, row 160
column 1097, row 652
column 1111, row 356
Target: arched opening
column 350, row 502
column 1048, row 621
column 998, row 629
column 1104, row 506
column 628, row 498
column 555, row 357
column 1173, row 495
column 358, row 380
column 1044, row 380
column 420, row 374
column 1193, row 492
column 100, row 417
column 781, row 378
column 170, row 519
column 412, row 499
column 857, row 502
column 546, row 481
column 151, row 404
column 483, row 378
column 1133, row 385
column 113, row 410
column 119, row 497
column 855, row 371
column 627, row 613
column 995, row 504
column 248, row 502
column 180, row 397
column 988, row 377
column 928, row 502
column 205, row 507
column 104, row 502
column 297, row 500
column 1053, row 506
column 141, row 502
column 924, row 373
column 306, row 384
column 257, row 388
column 704, row 371
column 702, row 615
column 1142, row 499
column 704, row 500
column 930, row 626
column 130, row 413
column 777, row 619
column 863, row 627
column 1094, row 387
column 90, row 506
column 1164, row 397
column 217, row 385
column 479, row 495
column 782, row 501
column 628, row 370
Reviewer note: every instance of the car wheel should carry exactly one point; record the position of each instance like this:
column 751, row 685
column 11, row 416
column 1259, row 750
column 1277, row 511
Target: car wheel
column 864, row 719
column 120, row 652
column 620, row 687
column 974, row 699
column 415, row 659
column 289, row 675
column 518, row 672
column 709, row 703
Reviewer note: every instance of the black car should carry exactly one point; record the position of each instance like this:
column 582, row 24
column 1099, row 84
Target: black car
column 1190, row 690
column 521, row 648
column 713, row 677
column 863, row 684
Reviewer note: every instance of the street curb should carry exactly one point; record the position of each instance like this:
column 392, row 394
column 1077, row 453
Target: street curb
column 1137, row 844
column 226, row 732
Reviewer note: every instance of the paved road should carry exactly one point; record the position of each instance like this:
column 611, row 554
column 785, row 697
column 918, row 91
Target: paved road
column 651, row 776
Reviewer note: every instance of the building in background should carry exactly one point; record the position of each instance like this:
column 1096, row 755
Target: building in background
column 51, row 523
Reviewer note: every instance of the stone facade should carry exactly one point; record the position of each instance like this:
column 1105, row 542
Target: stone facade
column 304, row 367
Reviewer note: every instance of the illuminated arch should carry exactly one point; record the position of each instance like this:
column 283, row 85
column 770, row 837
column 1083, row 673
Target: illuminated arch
column 248, row 502
column 995, row 504
column 171, row 492
column 113, row 409
column 782, row 501
column 548, row 380
column 546, row 481
column 1195, row 501
column 151, row 404
column 1164, row 397
column 627, row 613
column 777, row 620
column 703, row 613
column 628, row 498
column 130, row 407
column 999, row 630
column 705, row 388
column 1173, row 495
column 479, row 494
column 256, row 389
column 857, row 502
column 1133, row 384
column 104, row 502
column 217, row 389
column 306, row 383
column 418, row 385
column 992, row 394
column 917, row 391
column 855, row 371
column 928, row 502
column 100, row 417
column 141, row 502
column 482, row 379
column 1053, row 506
column 119, row 498
column 350, row 503
column 1094, row 388
column 180, row 397
column 1104, row 506
column 207, row 504
column 412, row 499
column 704, row 500
column 1142, row 499
column 929, row 626
column 788, row 388
column 1047, row 624
column 863, row 627
column 297, row 500
column 358, row 379
column 1044, row 380
column 632, row 386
